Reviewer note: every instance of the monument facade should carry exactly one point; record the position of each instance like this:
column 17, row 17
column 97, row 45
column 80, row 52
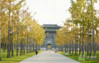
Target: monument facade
column 50, row 41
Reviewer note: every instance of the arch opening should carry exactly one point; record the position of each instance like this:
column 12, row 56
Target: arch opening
column 48, row 47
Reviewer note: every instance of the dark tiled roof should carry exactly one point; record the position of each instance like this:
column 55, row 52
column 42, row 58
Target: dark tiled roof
column 51, row 25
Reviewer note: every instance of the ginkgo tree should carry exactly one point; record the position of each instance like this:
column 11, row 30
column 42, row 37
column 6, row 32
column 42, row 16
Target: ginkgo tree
column 15, row 25
column 83, row 15
column 38, row 37
column 81, row 11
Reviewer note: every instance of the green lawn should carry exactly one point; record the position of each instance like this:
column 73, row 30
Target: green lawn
column 15, row 59
column 76, row 57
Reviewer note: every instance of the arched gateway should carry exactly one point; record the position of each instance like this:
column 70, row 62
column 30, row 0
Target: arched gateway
column 50, row 38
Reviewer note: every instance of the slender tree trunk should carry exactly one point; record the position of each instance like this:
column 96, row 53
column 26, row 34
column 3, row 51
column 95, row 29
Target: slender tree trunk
column 91, row 47
column 62, row 47
column 75, row 46
column 17, row 35
column 88, row 44
column 4, row 43
column 39, row 47
column 12, row 36
column 24, row 47
column 80, row 42
column 30, row 46
column 83, row 42
column 94, row 47
column 21, row 47
column 36, row 46
column 58, row 47
column 72, row 47
column 0, row 43
column 8, row 52
column 24, row 42
column 33, row 46
column 88, row 38
column 0, row 36
column 84, row 48
column 27, row 45
column 65, row 48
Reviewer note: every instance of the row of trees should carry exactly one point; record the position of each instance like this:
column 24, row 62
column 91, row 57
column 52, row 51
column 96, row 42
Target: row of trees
column 82, row 29
column 18, row 28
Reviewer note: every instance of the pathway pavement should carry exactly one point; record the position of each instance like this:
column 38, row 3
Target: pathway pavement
column 49, row 57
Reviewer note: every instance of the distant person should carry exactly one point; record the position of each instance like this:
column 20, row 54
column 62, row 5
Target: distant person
column 56, row 50
column 36, row 52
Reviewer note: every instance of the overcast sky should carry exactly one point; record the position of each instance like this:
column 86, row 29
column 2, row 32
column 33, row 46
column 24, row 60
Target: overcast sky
column 51, row 11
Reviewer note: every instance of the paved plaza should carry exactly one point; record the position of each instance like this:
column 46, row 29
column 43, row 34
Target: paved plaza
column 49, row 57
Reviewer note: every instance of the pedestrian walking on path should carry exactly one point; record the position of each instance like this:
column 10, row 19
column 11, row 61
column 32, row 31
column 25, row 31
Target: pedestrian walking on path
column 36, row 51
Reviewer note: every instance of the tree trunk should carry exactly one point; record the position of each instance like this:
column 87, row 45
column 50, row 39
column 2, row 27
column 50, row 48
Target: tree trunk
column 88, row 39
column 24, row 47
column 24, row 43
column 27, row 45
column 21, row 48
column 83, row 42
column 75, row 47
column 8, row 52
column 72, row 47
column 39, row 47
column 90, row 48
column 94, row 47
column 58, row 47
column 36, row 46
column 80, row 42
column 4, row 43
column 12, row 36
column 17, row 35
column 0, row 43
column 65, row 48
column 33, row 46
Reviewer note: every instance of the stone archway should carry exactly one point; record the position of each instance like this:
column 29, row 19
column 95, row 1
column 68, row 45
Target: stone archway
column 48, row 47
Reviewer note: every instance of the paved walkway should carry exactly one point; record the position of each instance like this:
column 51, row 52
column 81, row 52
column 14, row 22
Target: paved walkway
column 49, row 57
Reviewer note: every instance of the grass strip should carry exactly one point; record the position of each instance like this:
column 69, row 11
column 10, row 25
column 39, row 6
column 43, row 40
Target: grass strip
column 15, row 59
column 76, row 57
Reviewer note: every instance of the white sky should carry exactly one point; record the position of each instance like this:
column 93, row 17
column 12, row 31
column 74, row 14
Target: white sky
column 50, row 11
